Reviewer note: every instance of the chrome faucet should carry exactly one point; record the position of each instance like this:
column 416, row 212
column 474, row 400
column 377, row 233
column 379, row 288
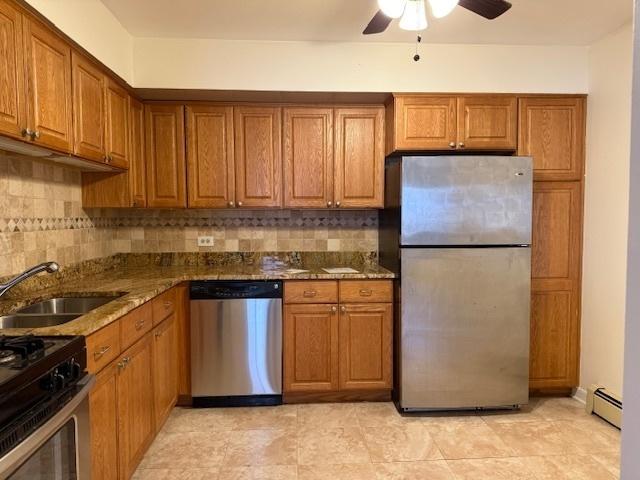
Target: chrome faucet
column 50, row 267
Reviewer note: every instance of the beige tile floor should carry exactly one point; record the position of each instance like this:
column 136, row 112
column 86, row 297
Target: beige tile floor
column 550, row 439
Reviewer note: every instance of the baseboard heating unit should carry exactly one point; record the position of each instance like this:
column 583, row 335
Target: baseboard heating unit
column 605, row 404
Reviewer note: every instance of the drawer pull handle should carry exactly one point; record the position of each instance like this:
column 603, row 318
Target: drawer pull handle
column 100, row 353
column 139, row 324
column 168, row 304
column 309, row 293
column 366, row 292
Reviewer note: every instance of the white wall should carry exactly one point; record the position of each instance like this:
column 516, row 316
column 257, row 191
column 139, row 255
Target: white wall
column 606, row 210
column 367, row 67
column 631, row 411
column 93, row 26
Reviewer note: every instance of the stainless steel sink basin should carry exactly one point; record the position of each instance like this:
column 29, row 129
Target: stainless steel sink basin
column 66, row 305
column 18, row 320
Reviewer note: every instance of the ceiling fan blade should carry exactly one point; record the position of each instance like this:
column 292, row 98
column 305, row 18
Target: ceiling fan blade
column 486, row 8
column 378, row 23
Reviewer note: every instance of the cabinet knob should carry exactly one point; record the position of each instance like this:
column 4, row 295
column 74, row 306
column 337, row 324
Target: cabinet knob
column 343, row 309
column 461, row 144
column 329, row 204
column 36, row 134
column 231, row 204
column 452, row 144
column 334, row 309
column 338, row 204
column 239, row 204
column 27, row 132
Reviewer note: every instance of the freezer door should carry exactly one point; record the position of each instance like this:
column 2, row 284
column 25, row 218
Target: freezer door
column 466, row 200
column 464, row 327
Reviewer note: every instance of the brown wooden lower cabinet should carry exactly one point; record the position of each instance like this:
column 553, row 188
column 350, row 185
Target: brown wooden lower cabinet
column 103, row 405
column 366, row 332
column 337, row 350
column 136, row 425
column 165, row 370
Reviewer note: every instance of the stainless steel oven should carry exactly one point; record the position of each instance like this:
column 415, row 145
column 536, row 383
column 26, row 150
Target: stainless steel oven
column 59, row 449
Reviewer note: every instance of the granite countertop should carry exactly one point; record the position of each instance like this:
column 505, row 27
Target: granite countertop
column 133, row 285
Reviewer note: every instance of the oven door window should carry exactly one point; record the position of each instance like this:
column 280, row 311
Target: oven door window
column 54, row 460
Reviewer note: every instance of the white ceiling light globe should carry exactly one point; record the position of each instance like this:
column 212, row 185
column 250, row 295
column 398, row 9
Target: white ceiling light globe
column 442, row 8
column 414, row 17
column 392, row 8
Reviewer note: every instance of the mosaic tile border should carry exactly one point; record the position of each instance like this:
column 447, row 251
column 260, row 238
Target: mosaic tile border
column 11, row 225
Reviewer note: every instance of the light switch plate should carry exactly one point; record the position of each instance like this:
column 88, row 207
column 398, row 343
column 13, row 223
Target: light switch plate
column 205, row 241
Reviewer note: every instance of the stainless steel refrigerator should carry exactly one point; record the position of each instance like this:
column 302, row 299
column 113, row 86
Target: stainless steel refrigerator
column 457, row 231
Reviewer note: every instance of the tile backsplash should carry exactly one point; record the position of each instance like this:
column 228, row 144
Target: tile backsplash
column 41, row 218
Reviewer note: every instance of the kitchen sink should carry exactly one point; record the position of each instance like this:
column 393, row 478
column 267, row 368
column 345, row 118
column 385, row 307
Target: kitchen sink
column 67, row 305
column 17, row 320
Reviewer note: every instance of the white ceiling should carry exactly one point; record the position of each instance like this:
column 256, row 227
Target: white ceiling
column 529, row 22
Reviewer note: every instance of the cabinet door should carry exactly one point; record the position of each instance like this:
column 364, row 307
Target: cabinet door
column 165, row 375
column 555, row 309
column 137, row 170
column 12, row 89
column 183, row 336
column 366, row 332
column 117, row 125
column 210, row 156
column 424, row 123
column 487, row 123
column 258, row 159
column 310, row 348
column 359, row 157
column 552, row 131
column 166, row 167
column 308, row 157
column 48, row 68
column 88, row 108
column 103, row 412
column 136, row 427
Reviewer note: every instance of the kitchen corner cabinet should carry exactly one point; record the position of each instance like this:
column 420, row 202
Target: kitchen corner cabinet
column 359, row 157
column 445, row 122
column 48, row 79
column 210, row 171
column 556, row 277
column 88, row 108
column 165, row 370
column 165, row 156
column 13, row 115
column 337, row 343
column 258, row 156
column 552, row 131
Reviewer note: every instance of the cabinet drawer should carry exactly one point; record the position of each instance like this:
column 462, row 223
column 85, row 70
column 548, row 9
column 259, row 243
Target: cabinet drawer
column 359, row 291
column 103, row 346
column 306, row 291
column 164, row 305
column 135, row 324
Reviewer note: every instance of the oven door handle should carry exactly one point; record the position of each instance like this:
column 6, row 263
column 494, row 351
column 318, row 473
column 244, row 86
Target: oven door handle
column 23, row 451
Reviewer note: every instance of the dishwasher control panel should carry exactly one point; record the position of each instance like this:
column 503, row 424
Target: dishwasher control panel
column 216, row 289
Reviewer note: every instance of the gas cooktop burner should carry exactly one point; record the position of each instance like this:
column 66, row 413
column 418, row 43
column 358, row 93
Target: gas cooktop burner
column 22, row 347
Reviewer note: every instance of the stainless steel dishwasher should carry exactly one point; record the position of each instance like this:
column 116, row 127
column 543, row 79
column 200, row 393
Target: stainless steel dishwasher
column 236, row 343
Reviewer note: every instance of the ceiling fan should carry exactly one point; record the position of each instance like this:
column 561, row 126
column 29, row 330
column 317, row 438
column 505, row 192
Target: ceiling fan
column 412, row 13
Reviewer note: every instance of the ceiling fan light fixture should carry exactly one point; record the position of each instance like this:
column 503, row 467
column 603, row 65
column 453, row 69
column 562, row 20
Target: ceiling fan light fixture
column 392, row 8
column 414, row 17
column 442, row 8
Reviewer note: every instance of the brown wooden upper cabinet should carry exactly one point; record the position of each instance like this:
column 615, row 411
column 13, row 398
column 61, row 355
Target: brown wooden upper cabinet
column 88, row 108
column 48, row 75
column 552, row 131
column 308, row 157
column 210, row 169
column 165, row 158
column 487, row 123
column 445, row 122
column 137, row 166
column 13, row 115
column 359, row 157
column 117, row 125
column 258, row 156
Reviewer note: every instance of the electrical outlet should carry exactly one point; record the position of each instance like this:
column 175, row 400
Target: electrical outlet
column 205, row 241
